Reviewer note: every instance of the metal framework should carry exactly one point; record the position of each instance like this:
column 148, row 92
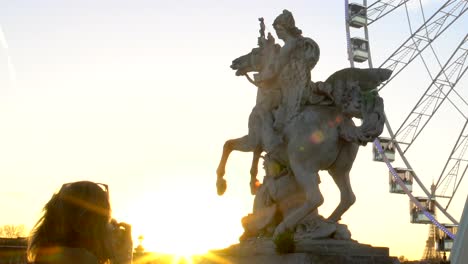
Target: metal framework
column 424, row 36
column 379, row 9
column 456, row 166
column 438, row 91
column 441, row 87
column 436, row 94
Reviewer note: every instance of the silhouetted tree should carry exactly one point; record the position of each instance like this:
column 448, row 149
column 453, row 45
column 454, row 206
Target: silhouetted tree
column 12, row 231
column 402, row 258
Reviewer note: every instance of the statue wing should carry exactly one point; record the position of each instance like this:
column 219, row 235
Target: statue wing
column 368, row 79
column 372, row 107
column 311, row 52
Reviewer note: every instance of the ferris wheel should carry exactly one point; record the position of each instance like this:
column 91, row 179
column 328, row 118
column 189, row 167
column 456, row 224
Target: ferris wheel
column 441, row 72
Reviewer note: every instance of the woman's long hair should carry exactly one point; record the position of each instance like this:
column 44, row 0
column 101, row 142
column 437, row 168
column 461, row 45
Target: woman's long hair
column 76, row 217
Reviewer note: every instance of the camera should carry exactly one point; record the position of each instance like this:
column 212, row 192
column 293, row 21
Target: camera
column 122, row 244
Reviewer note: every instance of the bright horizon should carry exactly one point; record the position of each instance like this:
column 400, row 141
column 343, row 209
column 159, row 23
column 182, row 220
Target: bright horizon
column 140, row 96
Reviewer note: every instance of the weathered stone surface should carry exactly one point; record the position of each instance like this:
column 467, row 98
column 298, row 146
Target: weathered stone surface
column 302, row 127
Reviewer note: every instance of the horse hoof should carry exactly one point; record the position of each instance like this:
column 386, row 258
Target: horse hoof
column 221, row 186
column 254, row 187
column 280, row 229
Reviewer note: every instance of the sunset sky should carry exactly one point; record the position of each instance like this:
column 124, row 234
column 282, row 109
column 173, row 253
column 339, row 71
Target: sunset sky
column 139, row 95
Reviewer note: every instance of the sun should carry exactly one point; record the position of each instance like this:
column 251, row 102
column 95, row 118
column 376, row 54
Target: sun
column 185, row 226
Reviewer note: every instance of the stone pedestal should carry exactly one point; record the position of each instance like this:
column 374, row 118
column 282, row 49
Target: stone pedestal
column 307, row 251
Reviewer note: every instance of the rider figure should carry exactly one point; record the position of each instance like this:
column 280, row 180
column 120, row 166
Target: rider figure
column 295, row 45
column 291, row 67
column 298, row 56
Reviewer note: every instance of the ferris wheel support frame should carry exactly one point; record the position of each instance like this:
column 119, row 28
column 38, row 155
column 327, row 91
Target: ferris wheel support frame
column 444, row 17
column 416, row 52
column 456, row 165
column 425, row 117
column 434, row 91
column 457, row 68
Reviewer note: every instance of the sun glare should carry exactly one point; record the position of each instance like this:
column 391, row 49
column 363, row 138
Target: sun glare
column 185, row 226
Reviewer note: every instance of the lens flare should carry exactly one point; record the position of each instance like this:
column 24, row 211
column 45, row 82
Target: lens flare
column 4, row 46
column 317, row 137
column 338, row 119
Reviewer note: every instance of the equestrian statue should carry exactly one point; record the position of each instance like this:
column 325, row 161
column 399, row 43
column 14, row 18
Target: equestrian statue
column 300, row 127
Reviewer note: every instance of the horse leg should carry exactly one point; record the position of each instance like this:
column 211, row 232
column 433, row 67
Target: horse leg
column 307, row 178
column 347, row 198
column 254, row 183
column 240, row 144
column 340, row 173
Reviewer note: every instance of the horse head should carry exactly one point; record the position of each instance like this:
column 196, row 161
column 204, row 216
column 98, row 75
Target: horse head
column 261, row 60
column 247, row 63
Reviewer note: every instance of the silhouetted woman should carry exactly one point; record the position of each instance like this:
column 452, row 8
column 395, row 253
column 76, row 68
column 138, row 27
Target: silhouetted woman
column 76, row 227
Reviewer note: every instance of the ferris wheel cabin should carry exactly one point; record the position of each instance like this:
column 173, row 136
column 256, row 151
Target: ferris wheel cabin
column 444, row 242
column 360, row 49
column 388, row 148
column 357, row 15
column 417, row 214
column 406, row 176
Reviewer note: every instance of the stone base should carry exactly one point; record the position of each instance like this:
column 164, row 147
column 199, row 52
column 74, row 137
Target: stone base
column 307, row 251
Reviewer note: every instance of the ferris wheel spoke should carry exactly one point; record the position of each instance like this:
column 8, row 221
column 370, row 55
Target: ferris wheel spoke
column 456, row 166
column 437, row 92
column 423, row 37
column 379, row 9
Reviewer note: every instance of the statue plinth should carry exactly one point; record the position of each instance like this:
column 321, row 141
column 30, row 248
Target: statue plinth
column 326, row 251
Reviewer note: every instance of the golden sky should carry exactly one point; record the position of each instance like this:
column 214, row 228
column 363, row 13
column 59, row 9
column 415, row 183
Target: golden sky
column 140, row 95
